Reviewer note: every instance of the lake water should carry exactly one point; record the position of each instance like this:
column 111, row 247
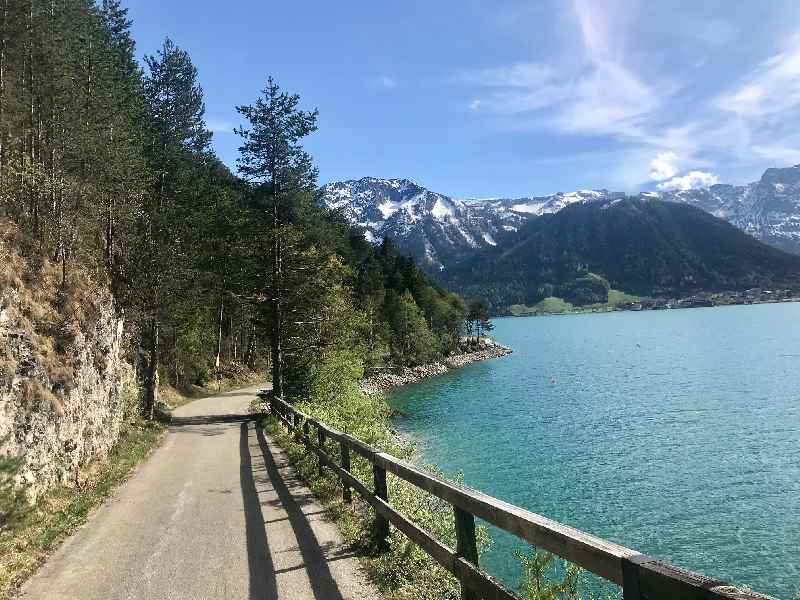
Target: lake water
column 675, row 433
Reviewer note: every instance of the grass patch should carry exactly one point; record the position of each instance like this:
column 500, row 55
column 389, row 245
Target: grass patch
column 59, row 512
column 405, row 572
column 549, row 306
column 558, row 306
column 618, row 297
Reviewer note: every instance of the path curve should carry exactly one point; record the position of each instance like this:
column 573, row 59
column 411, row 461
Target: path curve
column 215, row 513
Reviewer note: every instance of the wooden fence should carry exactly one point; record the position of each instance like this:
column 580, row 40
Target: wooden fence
column 641, row 577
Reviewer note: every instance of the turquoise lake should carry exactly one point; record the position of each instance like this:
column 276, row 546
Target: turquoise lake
column 675, row 433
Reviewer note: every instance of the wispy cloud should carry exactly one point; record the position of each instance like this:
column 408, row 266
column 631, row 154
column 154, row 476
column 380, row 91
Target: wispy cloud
column 600, row 94
column 608, row 84
column 219, row 125
column 387, row 82
column 773, row 87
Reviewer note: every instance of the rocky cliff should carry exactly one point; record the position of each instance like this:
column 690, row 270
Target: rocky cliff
column 62, row 371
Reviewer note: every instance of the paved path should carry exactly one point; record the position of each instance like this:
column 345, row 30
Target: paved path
column 215, row 513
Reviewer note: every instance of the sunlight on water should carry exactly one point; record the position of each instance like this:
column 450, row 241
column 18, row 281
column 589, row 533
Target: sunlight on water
column 676, row 433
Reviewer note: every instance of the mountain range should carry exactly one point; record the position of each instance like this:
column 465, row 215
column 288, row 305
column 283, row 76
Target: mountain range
column 579, row 245
column 640, row 246
column 439, row 230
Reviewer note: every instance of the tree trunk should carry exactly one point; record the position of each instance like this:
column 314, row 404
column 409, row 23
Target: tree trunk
column 151, row 395
column 219, row 334
column 250, row 353
column 277, row 309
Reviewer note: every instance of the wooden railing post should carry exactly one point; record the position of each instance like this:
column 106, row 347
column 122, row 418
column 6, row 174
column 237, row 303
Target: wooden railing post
column 630, row 577
column 382, row 492
column 347, row 495
column 321, row 443
column 466, row 545
column 306, row 439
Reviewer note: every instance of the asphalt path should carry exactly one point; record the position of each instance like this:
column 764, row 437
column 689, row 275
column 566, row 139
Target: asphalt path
column 215, row 512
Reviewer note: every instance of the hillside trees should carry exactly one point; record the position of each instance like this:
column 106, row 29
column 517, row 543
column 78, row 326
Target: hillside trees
column 476, row 320
column 106, row 169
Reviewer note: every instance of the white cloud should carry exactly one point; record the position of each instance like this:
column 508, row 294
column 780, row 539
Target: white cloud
column 219, row 125
column 691, row 181
column 387, row 82
column 645, row 100
column 664, row 166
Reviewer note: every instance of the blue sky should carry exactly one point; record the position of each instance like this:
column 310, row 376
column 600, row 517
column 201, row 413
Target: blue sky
column 492, row 98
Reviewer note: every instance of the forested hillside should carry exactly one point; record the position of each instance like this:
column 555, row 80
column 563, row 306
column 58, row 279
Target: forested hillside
column 106, row 169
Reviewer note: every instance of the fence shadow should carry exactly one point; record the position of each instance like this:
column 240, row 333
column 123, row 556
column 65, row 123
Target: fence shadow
column 259, row 560
column 315, row 557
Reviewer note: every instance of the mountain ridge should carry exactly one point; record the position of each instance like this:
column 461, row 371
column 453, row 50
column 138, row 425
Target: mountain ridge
column 440, row 230
column 641, row 246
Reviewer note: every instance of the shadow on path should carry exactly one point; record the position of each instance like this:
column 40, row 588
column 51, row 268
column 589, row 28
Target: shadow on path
column 209, row 420
column 315, row 560
column 262, row 570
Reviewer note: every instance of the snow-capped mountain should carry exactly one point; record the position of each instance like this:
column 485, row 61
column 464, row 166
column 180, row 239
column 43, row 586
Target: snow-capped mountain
column 768, row 209
column 435, row 229
column 439, row 230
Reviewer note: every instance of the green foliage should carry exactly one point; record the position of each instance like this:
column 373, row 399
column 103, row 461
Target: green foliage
column 412, row 340
column 406, row 313
column 588, row 289
column 546, row 579
column 476, row 320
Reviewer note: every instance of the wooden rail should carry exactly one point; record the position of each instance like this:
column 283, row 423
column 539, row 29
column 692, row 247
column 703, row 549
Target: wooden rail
column 641, row 577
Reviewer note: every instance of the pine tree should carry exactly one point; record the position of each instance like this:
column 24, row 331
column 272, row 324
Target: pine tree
column 273, row 158
column 177, row 142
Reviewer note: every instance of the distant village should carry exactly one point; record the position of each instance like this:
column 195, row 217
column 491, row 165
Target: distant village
column 751, row 296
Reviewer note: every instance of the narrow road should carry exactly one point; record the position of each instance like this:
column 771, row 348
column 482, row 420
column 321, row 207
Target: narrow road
column 215, row 513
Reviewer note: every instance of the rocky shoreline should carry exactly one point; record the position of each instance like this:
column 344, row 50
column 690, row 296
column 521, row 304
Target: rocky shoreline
column 384, row 382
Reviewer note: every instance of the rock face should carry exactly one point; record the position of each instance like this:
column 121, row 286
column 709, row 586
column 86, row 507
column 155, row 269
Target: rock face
column 384, row 382
column 62, row 401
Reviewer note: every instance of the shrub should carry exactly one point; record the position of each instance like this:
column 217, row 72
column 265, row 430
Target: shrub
column 13, row 502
